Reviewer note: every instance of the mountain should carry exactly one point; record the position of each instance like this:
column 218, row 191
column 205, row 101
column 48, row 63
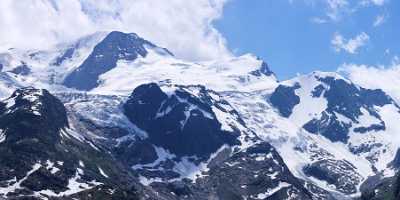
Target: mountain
column 358, row 122
column 42, row 157
column 117, row 117
column 56, row 161
column 114, row 47
column 199, row 136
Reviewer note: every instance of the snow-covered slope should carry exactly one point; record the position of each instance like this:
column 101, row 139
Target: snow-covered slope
column 116, row 63
column 232, row 74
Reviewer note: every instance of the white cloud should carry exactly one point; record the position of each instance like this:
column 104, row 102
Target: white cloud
column 318, row 20
column 376, row 77
column 333, row 10
column 373, row 2
column 379, row 2
column 36, row 23
column 352, row 45
column 336, row 7
column 337, row 10
column 379, row 20
column 185, row 27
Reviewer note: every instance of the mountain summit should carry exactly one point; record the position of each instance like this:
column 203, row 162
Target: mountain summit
column 115, row 46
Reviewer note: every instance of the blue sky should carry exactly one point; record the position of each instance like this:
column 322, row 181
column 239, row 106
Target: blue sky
column 300, row 36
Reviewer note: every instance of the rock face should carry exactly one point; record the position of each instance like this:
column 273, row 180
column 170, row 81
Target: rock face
column 264, row 69
column 339, row 173
column 330, row 127
column 31, row 121
column 255, row 173
column 388, row 188
column 68, row 53
column 348, row 100
column 179, row 122
column 116, row 46
column 22, row 69
column 186, row 127
column 32, row 116
column 284, row 99
column 343, row 99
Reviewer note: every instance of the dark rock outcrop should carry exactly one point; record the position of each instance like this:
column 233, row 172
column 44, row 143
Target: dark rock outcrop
column 285, row 99
column 180, row 122
column 22, row 69
column 340, row 173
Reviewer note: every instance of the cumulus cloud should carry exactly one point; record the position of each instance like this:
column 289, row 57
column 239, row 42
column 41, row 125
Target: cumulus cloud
column 185, row 27
column 376, row 77
column 352, row 45
column 36, row 23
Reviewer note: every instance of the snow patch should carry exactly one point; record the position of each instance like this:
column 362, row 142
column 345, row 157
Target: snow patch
column 102, row 172
column 50, row 166
column 272, row 191
column 2, row 136
column 309, row 107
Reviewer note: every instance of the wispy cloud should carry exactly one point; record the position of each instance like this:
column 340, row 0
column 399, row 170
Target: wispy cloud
column 336, row 7
column 185, row 27
column 352, row 45
column 318, row 20
column 379, row 2
column 373, row 2
column 336, row 10
column 379, row 20
column 333, row 9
